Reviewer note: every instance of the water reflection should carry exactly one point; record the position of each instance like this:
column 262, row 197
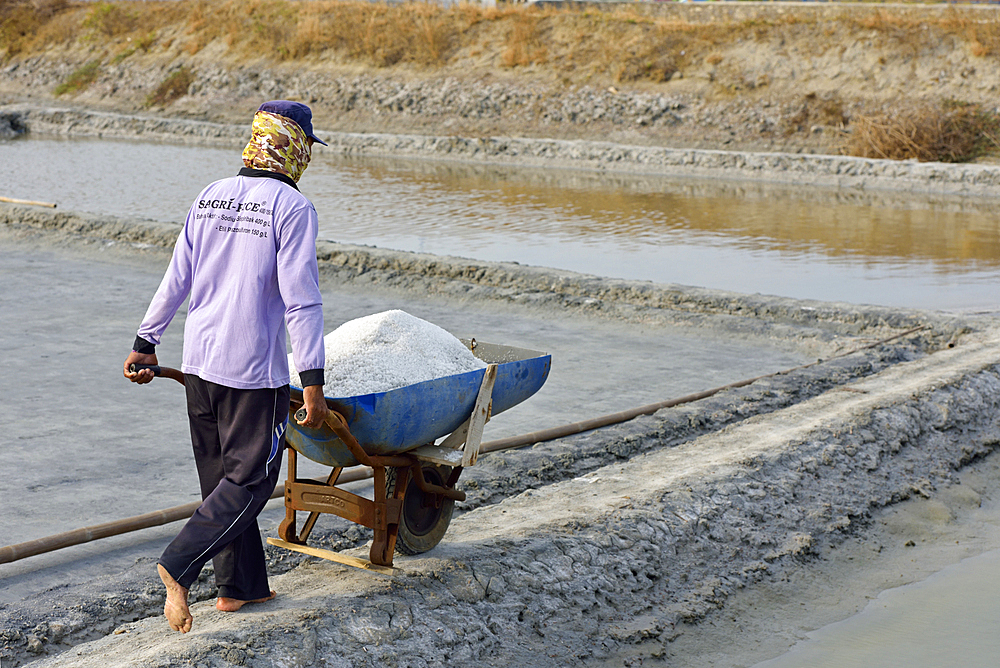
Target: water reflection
column 637, row 210
column 893, row 249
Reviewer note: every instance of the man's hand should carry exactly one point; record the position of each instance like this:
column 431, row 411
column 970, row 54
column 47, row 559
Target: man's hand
column 141, row 377
column 316, row 409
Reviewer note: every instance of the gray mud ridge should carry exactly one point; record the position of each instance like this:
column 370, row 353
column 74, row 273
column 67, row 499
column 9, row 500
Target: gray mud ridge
column 830, row 327
column 612, row 563
column 507, row 473
column 799, row 169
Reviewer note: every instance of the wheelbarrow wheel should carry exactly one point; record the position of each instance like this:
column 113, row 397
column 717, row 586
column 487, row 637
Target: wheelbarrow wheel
column 425, row 517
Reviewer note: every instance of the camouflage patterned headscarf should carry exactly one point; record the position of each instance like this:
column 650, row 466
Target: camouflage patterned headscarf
column 277, row 144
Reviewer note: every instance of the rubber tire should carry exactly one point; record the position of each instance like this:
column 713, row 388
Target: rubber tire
column 417, row 535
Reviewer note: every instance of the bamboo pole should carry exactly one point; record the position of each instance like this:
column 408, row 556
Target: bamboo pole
column 623, row 416
column 69, row 538
column 156, row 518
column 27, row 201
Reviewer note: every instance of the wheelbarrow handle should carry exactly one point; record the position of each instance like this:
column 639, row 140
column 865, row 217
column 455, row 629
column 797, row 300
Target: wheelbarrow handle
column 158, row 370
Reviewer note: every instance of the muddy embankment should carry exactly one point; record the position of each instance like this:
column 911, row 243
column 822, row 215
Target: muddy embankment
column 826, row 171
column 593, row 549
column 828, row 327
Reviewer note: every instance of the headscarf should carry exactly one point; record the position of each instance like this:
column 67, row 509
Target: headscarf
column 277, row 144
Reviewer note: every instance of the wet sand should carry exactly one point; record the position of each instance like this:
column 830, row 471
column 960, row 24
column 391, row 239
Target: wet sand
column 900, row 545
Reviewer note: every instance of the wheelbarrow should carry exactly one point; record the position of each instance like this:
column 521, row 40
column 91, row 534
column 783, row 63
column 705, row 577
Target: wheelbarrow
column 396, row 434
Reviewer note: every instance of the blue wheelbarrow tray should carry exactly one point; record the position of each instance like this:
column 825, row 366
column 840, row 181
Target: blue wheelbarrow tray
column 393, row 422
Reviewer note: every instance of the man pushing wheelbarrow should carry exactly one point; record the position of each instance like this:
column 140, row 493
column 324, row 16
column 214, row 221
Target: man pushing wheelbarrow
column 246, row 257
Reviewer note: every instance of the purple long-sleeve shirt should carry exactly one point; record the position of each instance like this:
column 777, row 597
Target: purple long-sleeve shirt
column 247, row 257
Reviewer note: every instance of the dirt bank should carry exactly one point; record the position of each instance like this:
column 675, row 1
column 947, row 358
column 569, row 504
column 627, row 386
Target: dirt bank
column 842, row 172
column 743, row 76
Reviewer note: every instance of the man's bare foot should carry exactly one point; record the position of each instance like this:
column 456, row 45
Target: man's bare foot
column 226, row 604
column 176, row 608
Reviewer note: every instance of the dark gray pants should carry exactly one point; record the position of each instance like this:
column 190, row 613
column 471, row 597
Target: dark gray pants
column 238, row 438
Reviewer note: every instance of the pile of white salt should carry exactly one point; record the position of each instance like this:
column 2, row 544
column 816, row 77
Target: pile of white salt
column 387, row 350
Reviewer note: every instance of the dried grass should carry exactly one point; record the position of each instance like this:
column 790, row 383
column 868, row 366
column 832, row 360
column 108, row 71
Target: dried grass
column 626, row 43
column 173, row 87
column 80, row 79
column 19, row 21
column 525, row 43
column 981, row 32
column 953, row 132
column 622, row 44
column 617, row 44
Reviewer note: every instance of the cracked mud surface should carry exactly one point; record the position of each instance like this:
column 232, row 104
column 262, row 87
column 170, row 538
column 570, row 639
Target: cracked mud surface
column 597, row 549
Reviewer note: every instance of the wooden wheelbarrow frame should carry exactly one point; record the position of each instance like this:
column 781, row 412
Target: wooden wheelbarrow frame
column 383, row 513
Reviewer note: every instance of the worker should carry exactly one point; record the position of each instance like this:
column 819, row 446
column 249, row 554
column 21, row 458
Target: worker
column 246, row 256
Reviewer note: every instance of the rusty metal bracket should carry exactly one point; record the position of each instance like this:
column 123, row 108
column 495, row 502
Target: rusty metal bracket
column 428, row 488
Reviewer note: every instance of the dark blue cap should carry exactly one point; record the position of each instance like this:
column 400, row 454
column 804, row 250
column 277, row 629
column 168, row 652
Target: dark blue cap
column 295, row 111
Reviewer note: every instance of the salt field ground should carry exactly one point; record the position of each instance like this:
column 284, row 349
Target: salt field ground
column 618, row 545
column 556, row 178
column 101, row 297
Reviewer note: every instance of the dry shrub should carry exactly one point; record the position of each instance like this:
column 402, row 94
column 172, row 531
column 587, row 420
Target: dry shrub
column 19, row 22
column 524, row 44
column 80, row 79
column 825, row 110
column 981, row 31
column 109, row 19
column 174, row 86
column 952, row 132
column 637, row 68
column 648, row 51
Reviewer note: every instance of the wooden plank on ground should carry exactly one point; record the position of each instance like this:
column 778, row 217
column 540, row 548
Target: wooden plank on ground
column 12, row 200
column 329, row 555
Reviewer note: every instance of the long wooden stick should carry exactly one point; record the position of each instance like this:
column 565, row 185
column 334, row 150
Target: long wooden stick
column 27, row 201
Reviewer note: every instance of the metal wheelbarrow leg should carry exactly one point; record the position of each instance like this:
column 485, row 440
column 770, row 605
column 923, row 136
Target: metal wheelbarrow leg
column 384, row 513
